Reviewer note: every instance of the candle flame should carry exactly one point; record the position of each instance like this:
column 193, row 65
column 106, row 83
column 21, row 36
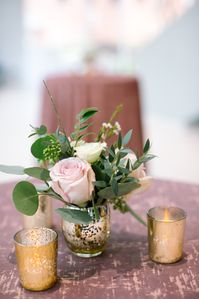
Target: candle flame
column 166, row 215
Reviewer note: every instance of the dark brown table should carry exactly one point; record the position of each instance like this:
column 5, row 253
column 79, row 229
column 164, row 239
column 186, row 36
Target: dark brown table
column 124, row 270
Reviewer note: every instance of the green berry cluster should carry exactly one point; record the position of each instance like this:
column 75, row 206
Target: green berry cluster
column 52, row 152
column 119, row 204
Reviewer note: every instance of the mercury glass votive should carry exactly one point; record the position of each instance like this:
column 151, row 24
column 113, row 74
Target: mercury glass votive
column 36, row 253
column 43, row 216
column 166, row 227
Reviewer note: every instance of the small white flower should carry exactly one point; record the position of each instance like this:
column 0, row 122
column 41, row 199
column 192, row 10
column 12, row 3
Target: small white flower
column 117, row 126
column 103, row 136
column 116, row 132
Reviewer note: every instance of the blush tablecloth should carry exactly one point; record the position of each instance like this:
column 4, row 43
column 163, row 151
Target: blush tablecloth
column 124, row 270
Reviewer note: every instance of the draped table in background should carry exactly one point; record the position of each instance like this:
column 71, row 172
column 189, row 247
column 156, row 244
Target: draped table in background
column 74, row 92
column 124, row 270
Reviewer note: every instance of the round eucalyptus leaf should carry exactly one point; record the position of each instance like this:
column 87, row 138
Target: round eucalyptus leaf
column 38, row 173
column 39, row 145
column 25, row 198
column 74, row 215
column 12, row 169
column 42, row 130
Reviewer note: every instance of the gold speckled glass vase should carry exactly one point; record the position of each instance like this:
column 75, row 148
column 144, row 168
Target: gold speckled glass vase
column 88, row 240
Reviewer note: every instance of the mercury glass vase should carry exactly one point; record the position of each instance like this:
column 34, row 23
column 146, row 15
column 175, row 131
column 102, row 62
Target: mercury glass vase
column 88, row 240
column 43, row 216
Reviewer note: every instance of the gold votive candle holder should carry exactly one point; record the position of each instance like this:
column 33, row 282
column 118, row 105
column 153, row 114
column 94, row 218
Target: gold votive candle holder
column 166, row 227
column 36, row 254
column 43, row 216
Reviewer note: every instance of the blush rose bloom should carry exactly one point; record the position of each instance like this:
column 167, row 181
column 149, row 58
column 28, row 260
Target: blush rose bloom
column 139, row 173
column 72, row 179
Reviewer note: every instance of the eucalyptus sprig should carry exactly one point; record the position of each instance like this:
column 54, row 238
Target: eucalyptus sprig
column 82, row 124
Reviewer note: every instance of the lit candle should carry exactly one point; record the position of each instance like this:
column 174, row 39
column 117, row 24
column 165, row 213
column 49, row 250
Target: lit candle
column 166, row 227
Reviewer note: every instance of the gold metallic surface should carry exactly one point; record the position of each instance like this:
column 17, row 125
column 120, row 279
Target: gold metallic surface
column 91, row 239
column 36, row 253
column 43, row 216
column 166, row 227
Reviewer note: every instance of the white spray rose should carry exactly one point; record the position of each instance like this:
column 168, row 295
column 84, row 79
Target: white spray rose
column 90, row 151
column 74, row 144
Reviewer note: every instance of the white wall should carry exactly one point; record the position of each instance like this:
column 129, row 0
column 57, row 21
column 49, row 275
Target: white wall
column 11, row 35
column 169, row 69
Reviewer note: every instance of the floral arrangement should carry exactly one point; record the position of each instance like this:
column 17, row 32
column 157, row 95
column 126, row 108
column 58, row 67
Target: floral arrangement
column 80, row 173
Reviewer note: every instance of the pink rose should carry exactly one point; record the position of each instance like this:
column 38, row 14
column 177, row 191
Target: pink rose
column 72, row 179
column 139, row 173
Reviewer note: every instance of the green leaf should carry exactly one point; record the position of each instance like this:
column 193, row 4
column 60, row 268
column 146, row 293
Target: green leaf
column 134, row 214
column 74, row 215
column 87, row 113
column 123, row 154
column 113, row 149
column 38, row 173
column 149, row 157
column 107, row 168
column 85, row 127
column 123, row 188
column 118, row 158
column 130, row 179
column 126, row 150
column 96, row 211
column 67, row 141
column 42, row 130
column 123, row 170
column 114, row 185
column 111, row 155
column 127, row 137
column 118, row 177
column 73, row 135
column 65, row 149
column 129, row 165
column 62, row 139
column 39, row 145
column 98, row 172
column 146, row 146
column 119, row 142
column 143, row 159
column 84, row 135
column 33, row 134
column 25, row 198
column 12, row 169
column 101, row 184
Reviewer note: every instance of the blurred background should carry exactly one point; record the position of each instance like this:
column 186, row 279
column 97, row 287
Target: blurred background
column 152, row 43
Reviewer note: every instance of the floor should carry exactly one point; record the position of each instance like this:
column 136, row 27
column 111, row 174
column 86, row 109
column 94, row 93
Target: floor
column 176, row 145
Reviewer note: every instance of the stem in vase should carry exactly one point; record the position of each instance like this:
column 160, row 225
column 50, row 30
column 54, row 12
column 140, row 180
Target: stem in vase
column 135, row 215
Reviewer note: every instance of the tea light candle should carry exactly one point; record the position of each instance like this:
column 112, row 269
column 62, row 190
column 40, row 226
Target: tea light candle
column 36, row 253
column 166, row 226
